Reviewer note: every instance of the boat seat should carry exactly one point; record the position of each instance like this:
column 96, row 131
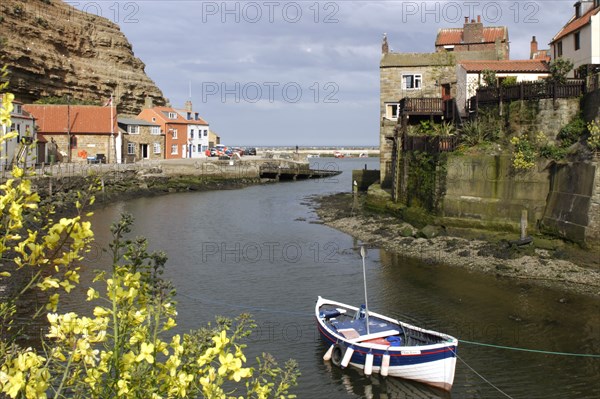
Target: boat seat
column 349, row 333
column 381, row 334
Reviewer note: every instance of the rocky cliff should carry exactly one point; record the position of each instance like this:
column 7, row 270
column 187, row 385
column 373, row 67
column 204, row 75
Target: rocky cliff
column 52, row 49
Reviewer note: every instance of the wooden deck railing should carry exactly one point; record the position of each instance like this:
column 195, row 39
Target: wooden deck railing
column 528, row 91
column 430, row 144
column 421, row 106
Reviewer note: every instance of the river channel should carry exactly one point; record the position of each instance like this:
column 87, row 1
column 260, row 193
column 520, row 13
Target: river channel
column 261, row 250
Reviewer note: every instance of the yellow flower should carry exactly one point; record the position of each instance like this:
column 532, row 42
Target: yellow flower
column 146, row 353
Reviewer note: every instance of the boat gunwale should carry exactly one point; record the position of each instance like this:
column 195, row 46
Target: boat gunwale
column 450, row 340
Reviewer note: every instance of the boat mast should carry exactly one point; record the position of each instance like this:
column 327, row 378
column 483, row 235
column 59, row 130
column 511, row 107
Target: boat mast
column 363, row 253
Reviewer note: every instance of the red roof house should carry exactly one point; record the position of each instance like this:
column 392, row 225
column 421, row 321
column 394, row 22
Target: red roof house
column 77, row 133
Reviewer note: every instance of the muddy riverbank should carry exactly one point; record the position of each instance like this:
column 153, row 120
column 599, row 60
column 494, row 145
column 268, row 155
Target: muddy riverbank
column 546, row 261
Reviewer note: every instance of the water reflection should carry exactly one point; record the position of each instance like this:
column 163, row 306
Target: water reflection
column 281, row 291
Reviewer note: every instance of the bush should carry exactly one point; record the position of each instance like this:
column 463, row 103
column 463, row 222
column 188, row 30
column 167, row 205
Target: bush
column 572, row 132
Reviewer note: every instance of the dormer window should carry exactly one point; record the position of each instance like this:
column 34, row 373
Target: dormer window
column 172, row 115
column 189, row 116
column 18, row 109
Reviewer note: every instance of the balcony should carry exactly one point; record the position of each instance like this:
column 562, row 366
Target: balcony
column 421, row 106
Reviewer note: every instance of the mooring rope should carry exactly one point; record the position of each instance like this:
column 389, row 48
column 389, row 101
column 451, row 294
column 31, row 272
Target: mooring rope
column 482, row 377
column 528, row 350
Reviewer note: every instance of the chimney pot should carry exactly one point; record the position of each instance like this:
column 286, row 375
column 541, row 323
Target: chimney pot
column 479, row 18
column 466, row 20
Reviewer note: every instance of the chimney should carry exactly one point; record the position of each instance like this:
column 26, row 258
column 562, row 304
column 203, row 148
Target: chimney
column 188, row 106
column 534, row 48
column 148, row 103
column 466, row 20
column 385, row 48
column 479, row 19
column 473, row 32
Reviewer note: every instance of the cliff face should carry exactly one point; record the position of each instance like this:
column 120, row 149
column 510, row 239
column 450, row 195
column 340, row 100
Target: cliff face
column 52, row 49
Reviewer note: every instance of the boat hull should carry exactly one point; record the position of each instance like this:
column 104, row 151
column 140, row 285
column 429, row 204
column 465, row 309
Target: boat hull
column 432, row 364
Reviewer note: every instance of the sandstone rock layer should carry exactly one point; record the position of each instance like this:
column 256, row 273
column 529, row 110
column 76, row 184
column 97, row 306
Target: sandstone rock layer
column 53, row 49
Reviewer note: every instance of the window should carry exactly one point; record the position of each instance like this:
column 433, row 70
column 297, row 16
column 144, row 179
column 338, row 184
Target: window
column 174, row 133
column 559, row 49
column 131, row 148
column 577, row 41
column 157, row 148
column 192, row 133
column 133, row 129
column 153, row 119
column 172, row 115
column 391, row 111
column 155, row 130
column 201, row 148
column 205, row 133
column 18, row 109
column 174, row 149
column 411, row 82
column 196, row 116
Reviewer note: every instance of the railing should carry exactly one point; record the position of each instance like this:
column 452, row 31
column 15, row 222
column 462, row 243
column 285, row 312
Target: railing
column 528, row 91
column 430, row 144
column 425, row 106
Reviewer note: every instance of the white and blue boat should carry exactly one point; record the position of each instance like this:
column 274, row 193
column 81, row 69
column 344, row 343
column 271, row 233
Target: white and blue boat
column 379, row 344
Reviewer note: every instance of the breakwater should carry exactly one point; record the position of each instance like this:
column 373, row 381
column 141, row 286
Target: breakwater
column 59, row 183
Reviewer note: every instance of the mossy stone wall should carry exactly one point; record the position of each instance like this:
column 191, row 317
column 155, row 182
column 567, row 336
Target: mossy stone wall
column 486, row 190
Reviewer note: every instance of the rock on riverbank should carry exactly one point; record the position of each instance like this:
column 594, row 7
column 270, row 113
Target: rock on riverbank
column 556, row 265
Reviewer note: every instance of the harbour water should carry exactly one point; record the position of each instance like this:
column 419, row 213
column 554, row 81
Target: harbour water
column 261, row 250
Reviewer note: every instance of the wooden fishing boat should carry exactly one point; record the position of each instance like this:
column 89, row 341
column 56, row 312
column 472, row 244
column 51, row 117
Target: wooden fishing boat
column 380, row 344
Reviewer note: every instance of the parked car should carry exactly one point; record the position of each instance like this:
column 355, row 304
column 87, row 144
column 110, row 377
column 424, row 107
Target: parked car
column 250, row 151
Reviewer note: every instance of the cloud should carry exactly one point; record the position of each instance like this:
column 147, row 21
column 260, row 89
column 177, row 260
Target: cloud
column 329, row 49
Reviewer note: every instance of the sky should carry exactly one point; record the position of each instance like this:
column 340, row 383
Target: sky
column 306, row 73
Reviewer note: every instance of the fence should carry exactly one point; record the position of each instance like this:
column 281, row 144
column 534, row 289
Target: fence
column 430, row 144
column 528, row 91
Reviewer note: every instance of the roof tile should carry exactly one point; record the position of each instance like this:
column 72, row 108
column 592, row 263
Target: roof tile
column 506, row 66
column 84, row 119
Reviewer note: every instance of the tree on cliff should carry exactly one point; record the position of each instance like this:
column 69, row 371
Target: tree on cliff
column 126, row 347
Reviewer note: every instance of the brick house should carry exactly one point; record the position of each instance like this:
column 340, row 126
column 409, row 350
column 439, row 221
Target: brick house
column 173, row 125
column 579, row 39
column 473, row 36
column 20, row 150
column 77, row 132
column 141, row 140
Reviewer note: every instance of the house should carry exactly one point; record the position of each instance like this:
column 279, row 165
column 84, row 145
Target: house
column 77, row 133
column 174, row 126
column 470, row 75
column 473, row 36
column 213, row 139
column 579, row 39
column 536, row 54
column 141, row 140
column 197, row 132
column 418, row 86
column 21, row 149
